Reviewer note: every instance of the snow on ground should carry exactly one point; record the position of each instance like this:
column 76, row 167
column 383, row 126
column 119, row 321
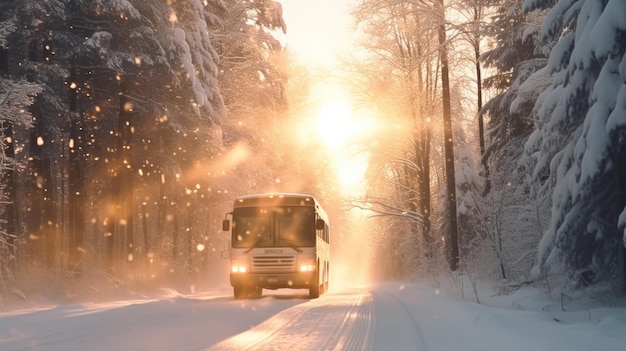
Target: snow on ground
column 390, row 316
column 451, row 324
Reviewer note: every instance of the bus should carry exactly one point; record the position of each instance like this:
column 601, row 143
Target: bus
column 278, row 241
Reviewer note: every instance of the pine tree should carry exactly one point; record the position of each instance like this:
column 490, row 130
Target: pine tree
column 15, row 98
column 39, row 35
column 251, row 76
column 515, row 56
column 579, row 141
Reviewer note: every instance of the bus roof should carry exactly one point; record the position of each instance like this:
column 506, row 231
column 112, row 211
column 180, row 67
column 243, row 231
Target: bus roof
column 279, row 199
column 275, row 198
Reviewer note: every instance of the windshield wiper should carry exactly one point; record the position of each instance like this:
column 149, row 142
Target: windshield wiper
column 259, row 240
column 292, row 245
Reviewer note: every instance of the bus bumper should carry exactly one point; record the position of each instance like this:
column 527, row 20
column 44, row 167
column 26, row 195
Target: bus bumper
column 274, row 280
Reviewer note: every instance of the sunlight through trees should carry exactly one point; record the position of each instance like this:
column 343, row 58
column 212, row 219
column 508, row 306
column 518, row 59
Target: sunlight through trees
column 477, row 138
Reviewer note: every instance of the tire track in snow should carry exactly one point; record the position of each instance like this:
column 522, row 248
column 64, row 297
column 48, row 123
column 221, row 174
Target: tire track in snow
column 341, row 321
column 260, row 334
column 394, row 322
column 354, row 333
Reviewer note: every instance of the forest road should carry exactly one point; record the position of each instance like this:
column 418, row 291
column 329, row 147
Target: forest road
column 352, row 320
column 386, row 317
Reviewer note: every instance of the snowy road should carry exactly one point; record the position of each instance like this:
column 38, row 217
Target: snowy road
column 383, row 317
column 333, row 322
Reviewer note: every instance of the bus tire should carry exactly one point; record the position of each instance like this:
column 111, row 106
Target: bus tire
column 314, row 290
column 240, row 292
column 326, row 281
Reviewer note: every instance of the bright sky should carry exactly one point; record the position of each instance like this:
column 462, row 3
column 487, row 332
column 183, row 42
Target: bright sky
column 317, row 30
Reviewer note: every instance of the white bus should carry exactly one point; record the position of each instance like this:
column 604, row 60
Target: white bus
column 278, row 241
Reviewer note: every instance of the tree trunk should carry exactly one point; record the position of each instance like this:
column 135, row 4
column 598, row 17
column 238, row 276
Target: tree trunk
column 127, row 196
column 162, row 213
column 479, row 102
column 189, row 241
column 7, row 175
column 175, row 236
column 453, row 243
column 37, row 185
column 9, row 190
column 49, row 228
column 481, row 121
column 622, row 264
column 111, row 227
column 76, row 186
column 144, row 225
column 620, row 171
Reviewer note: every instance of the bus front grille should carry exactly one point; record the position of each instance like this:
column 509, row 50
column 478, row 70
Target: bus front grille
column 271, row 264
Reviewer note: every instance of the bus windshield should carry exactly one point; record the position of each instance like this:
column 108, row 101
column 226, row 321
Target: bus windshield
column 292, row 226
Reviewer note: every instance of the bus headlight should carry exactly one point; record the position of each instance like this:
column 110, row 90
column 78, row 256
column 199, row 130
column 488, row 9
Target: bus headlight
column 307, row 268
column 237, row 268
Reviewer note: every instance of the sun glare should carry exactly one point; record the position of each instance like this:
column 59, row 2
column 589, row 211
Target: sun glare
column 341, row 130
column 351, row 172
column 338, row 125
column 334, row 124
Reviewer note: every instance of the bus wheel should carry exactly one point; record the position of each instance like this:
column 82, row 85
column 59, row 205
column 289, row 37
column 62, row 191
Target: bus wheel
column 240, row 292
column 326, row 280
column 314, row 291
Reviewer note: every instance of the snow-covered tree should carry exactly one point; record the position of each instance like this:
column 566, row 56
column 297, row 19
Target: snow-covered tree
column 398, row 74
column 128, row 124
column 15, row 98
column 515, row 54
column 32, row 56
column 252, row 72
column 579, row 148
column 473, row 28
column 506, row 216
column 148, row 95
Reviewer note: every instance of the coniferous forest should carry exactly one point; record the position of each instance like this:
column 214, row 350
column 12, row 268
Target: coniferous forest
column 128, row 128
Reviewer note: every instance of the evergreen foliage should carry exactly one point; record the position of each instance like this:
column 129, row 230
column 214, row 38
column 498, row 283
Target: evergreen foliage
column 515, row 56
column 127, row 106
column 121, row 121
column 578, row 147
